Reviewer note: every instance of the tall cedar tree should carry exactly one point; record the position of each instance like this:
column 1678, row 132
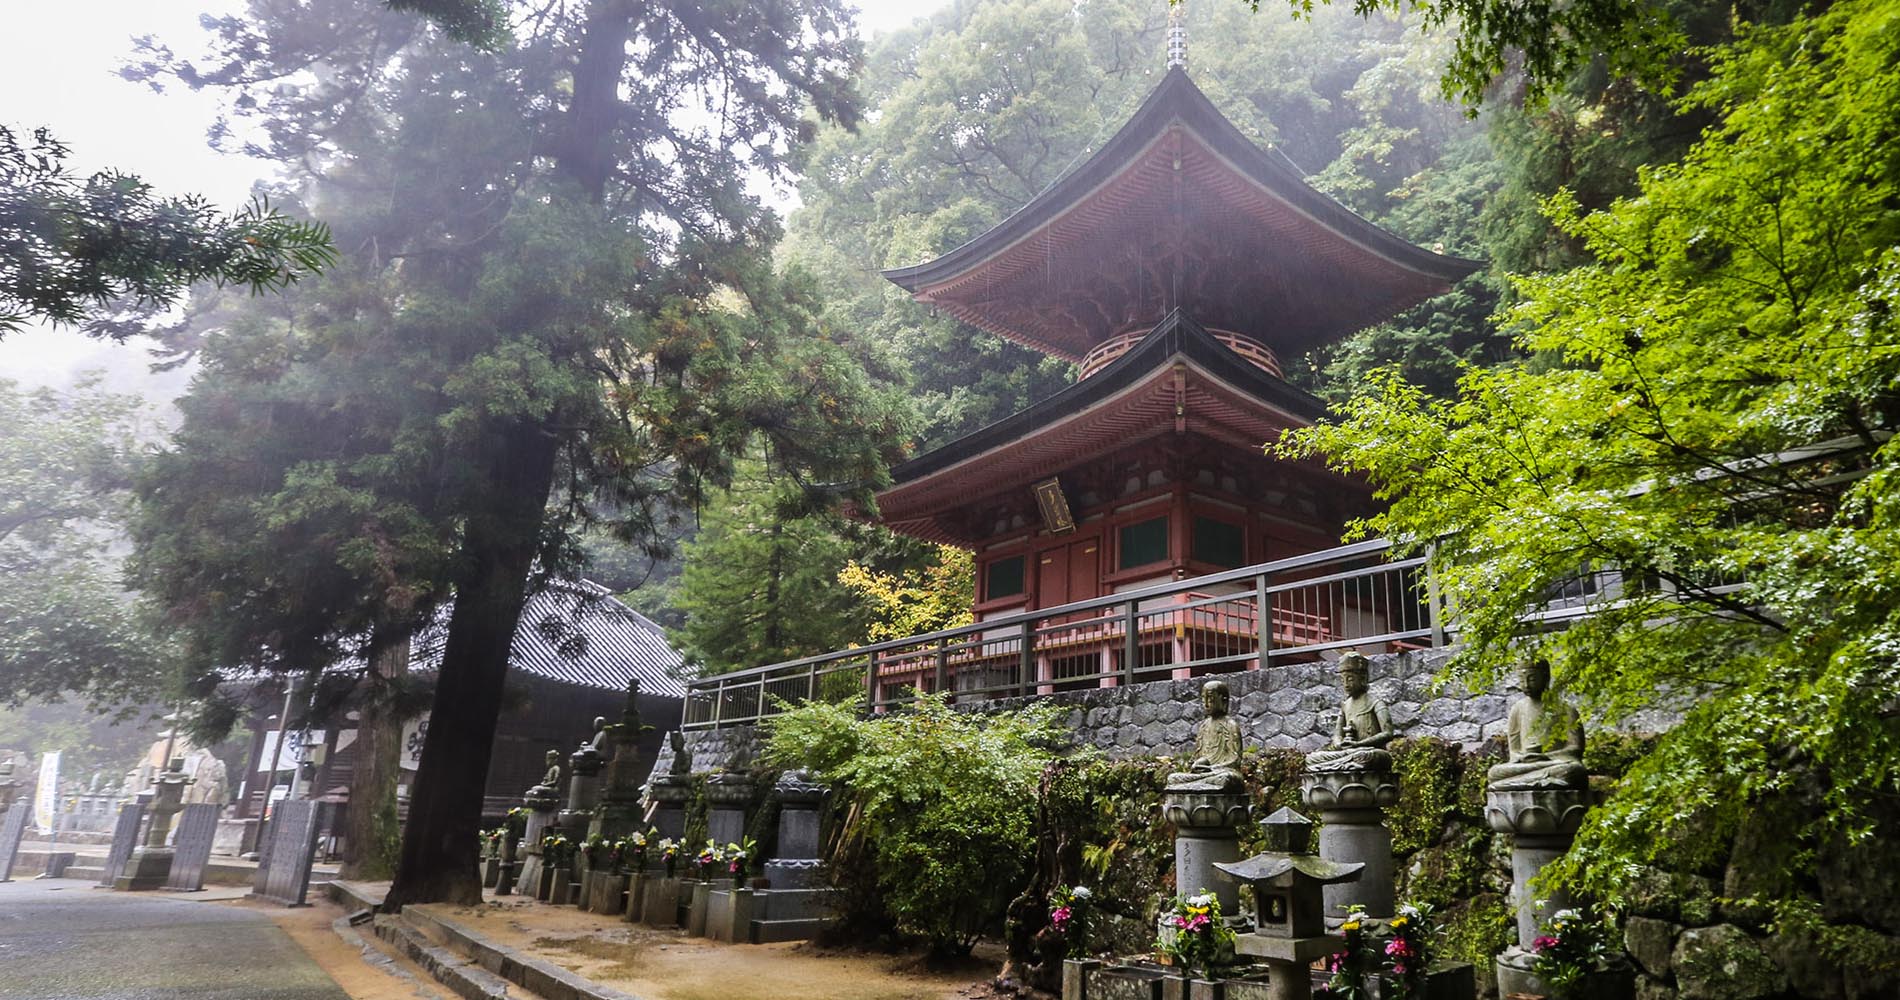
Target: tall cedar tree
column 570, row 284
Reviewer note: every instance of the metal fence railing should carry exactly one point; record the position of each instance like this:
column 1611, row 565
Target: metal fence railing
column 1290, row 609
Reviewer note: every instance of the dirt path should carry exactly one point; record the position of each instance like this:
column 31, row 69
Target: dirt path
column 309, row 927
column 663, row 965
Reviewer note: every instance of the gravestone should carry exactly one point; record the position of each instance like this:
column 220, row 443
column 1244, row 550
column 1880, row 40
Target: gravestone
column 12, row 827
column 283, row 874
column 125, row 836
column 197, row 828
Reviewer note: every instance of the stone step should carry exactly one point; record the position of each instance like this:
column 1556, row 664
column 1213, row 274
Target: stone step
column 89, row 873
column 539, row 978
column 468, row 980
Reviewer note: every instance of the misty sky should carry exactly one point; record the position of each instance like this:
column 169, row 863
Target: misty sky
column 57, row 68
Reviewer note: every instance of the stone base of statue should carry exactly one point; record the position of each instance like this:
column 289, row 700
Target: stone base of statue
column 147, row 868
column 1206, row 833
column 669, row 794
column 1351, row 805
column 1542, row 823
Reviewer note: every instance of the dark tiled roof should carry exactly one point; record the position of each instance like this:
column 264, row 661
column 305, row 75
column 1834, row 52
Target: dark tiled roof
column 577, row 632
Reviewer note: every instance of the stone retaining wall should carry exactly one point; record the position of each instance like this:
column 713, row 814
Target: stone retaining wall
column 1291, row 705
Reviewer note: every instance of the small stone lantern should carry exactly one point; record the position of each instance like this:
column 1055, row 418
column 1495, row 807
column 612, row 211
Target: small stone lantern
column 1288, row 880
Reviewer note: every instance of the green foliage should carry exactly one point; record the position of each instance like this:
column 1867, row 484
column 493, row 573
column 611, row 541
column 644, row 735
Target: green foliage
column 66, row 460
column 984, row 104
column 1427, row 771
column 930, row 598
column 759, row 583
column 1741, row 307
column 70, row 249
column 944, row 804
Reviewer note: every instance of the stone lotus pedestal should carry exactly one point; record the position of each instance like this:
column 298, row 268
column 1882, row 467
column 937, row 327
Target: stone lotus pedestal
column 1351, row 806
column 669, row 794
column 541, row 803
column 727, row 798
column 582, row 789
column 1206, row 833
column 1542, row 823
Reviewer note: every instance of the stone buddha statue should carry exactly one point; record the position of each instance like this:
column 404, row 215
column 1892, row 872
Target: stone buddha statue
column 1545, row 739
column 1216, row 748
column 1364, row 726
column 552, row 779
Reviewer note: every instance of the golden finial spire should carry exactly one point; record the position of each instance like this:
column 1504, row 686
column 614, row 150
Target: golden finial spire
column 1177, row 35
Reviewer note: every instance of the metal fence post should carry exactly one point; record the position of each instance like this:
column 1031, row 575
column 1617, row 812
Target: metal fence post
column 1026, row 659
column 1432, row 598
column 1131, row 640
column 1263, row 619
column 870, row 684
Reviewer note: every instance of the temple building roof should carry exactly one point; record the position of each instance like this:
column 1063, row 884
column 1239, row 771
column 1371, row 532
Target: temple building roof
column 1180, row 209
column 1179, row 379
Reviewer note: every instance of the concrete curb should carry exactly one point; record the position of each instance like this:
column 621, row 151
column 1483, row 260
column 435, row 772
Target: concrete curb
column 466, row 980
column 544, row 979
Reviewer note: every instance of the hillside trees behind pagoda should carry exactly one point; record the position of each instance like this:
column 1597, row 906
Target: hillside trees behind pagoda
column 552, row 259
column 1740, row 308
column 981, row 106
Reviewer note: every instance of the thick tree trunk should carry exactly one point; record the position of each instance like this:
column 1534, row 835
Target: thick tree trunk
column 439, row 848
column 371, row 833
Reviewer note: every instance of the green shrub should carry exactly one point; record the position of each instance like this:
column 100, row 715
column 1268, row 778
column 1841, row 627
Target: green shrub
column 942, row 805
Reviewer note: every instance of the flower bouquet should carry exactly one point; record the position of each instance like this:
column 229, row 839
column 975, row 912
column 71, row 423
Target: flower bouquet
column 1352, row 966
column 1572, row 945
column 709, row 856
column 735, row 857
column 632, row 852
column 1197, row 939
column 1069, row 916
column 669, row 854
column 1409, row 951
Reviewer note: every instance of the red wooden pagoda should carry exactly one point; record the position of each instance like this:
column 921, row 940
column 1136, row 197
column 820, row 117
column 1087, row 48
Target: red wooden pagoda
column 1177, row 265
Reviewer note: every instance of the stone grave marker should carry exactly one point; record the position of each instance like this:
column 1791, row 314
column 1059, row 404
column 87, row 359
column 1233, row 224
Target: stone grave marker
column 125, row 836
column 12, row 827
column 283, row 874
column 197, row 828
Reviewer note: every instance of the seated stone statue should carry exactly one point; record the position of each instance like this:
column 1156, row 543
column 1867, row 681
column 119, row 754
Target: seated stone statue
column 682, row 757
column 1364, row 725
column 1545, row 739
column 1216, row 748
column 551, row 781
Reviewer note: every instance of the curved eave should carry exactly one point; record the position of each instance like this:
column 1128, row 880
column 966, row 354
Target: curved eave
column 911, row 504
column 1176, row 101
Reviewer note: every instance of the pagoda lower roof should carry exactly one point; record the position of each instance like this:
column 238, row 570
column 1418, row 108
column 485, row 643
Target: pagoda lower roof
column 1178, row 380
column 1180, row 208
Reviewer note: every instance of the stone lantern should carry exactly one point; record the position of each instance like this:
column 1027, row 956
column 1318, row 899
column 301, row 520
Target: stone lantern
column 151, row 863
column 1289, row 883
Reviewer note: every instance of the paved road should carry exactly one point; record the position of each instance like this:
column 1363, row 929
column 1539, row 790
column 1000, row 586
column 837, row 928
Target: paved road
column 60, row 939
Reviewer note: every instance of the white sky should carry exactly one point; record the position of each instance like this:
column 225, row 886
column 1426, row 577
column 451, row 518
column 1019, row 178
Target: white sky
column 58, row 66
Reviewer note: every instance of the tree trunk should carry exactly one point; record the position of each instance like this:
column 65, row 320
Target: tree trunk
column 372, row 832
column 439, row 849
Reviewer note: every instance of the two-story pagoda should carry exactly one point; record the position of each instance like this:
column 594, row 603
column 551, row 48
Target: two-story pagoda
column 1177, row 265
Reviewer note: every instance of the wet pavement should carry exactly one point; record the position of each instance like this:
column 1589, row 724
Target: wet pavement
column 61, row 939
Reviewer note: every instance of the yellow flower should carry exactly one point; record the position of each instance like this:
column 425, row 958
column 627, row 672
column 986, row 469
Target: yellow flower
column 1350, row 925
column 1398, row 923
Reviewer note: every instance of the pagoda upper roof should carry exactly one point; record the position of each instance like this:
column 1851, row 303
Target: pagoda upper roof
column 1178, row 379
column 1179, row 209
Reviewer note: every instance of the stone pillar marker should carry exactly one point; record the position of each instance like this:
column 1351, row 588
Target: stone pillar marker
column 619, row 813
column 151, row 864
column 1538, row 796
column 1350, row 784
column 9, row 785
column 1207, row 803
column 541, row 801
column 796, row 866
column 727, row 796
column 583, row 786
column 668, row 792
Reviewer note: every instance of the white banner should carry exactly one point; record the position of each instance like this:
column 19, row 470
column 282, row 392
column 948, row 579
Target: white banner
column 413, row 733
column 46, row 795
column 297, row 743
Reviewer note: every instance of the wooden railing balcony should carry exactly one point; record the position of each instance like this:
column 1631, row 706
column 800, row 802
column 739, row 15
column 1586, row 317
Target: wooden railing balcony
column 1338, row 598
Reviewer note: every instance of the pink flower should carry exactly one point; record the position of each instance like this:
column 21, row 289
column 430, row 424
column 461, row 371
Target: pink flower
column 1059, row 917
column 1398, row 967
column 1544, row 943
